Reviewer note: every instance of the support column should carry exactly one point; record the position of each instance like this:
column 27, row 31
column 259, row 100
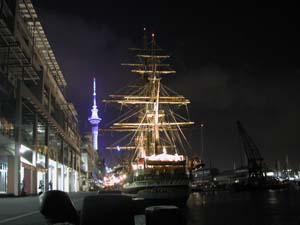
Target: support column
column 18, row 136
column 7, row 61
column 56, row 174
column 63, row 164
column 47, row 157
column 47, row 141
column 34, row 131
column 34, row 143
column 32, row 188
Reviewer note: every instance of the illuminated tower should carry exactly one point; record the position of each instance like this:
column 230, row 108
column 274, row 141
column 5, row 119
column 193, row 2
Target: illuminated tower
column 95, row 119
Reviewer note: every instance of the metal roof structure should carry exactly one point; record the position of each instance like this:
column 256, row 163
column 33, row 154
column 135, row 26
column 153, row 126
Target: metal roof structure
column 28, row 13
column 17, row 63
column 25, row 53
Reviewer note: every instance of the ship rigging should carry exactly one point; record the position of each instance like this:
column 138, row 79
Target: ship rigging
column 158, row 128
column 154, row 127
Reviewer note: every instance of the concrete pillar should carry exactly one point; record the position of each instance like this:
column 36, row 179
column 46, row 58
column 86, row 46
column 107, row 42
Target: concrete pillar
column 10, row 174
column 32, row 188
column 47, row 157
column 34, row 143
column 47, row 142
column 34, row 131
column 18, row 138
column 63, row 164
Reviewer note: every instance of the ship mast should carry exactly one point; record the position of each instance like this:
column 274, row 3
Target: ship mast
column 156, row 82
column 158, row 126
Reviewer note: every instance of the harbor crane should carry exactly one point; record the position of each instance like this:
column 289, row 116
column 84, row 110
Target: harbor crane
column 255, row 160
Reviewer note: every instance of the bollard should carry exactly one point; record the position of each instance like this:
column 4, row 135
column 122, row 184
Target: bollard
column 163, row 214
column 112, row 209
column 139, row 205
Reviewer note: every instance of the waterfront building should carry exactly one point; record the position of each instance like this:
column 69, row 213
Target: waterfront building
column 201, row 176
column 228, row 177
column 89, row 163
column 39, row 138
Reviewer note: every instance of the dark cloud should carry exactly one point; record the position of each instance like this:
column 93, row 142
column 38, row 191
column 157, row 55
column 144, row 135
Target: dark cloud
column 265, row 100
column 231, row 65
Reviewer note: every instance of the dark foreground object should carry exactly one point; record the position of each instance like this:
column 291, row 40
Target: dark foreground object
column 106, row 209
column 165, row 214
column 112, row 209
column 109, row 192
column 57, row 207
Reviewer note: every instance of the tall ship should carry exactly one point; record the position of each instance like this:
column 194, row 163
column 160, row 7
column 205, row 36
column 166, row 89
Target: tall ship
column 154, row 120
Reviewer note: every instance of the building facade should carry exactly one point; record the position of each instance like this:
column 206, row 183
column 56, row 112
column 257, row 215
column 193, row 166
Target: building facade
column 89, row 163
column 39, row 138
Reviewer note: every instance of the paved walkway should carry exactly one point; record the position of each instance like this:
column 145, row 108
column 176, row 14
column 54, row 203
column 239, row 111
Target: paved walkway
column 25, row 210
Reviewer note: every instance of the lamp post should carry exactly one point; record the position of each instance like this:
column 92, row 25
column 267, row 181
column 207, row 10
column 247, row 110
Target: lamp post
column 202, row 141
column 202, row 150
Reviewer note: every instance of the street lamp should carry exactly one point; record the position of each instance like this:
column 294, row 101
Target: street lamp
column 202, row 150
column 202, row 141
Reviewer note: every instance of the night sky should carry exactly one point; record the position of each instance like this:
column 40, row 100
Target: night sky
column 234, row 62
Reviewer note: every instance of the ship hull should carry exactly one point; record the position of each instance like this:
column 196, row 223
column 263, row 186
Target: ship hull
column 160, row 194
column 163, row 187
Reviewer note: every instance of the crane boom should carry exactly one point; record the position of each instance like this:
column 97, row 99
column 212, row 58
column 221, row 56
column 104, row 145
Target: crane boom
column 255, row 160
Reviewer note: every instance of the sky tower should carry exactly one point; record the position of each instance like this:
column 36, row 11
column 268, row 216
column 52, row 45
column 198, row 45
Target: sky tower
column 94, row 119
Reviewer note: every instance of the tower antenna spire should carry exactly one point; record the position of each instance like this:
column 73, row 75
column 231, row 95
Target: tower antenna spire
column 94, row 94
